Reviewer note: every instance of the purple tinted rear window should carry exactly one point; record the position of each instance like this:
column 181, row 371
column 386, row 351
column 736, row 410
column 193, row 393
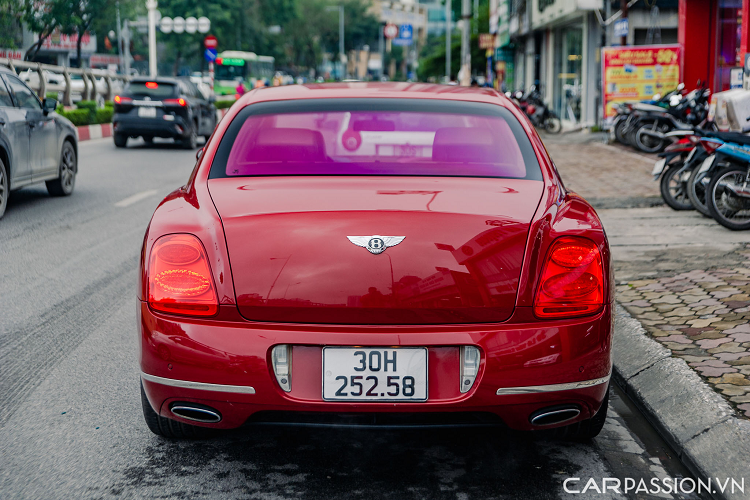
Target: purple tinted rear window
column 456, row 139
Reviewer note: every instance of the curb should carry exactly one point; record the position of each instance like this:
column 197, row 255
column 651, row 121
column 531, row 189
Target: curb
column 88, row 132
column 695, row 420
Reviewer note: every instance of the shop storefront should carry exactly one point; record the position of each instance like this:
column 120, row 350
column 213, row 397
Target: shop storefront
column 567, row 38
column 715, row 40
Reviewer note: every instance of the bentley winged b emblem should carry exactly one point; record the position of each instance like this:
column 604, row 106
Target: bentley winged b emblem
column 376, row 244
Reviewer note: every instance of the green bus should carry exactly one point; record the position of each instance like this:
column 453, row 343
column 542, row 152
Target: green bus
column 234, row 66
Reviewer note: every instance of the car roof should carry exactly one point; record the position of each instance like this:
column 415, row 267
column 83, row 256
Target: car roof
column 385, row 90
column 158, row 79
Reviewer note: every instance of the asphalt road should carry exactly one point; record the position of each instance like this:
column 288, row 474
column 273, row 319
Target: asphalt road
column 70, row 415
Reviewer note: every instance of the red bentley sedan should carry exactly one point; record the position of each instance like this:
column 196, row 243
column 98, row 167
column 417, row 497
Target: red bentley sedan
column 375, row 254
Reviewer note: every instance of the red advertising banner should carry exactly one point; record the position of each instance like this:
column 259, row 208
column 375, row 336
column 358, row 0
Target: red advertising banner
column 637, row 73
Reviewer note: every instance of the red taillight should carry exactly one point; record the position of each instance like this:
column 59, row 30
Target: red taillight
column 710, row 145
column 152, row 85
column 179, row 278
column 122, row 100
column 175, row 102
column 572, row 281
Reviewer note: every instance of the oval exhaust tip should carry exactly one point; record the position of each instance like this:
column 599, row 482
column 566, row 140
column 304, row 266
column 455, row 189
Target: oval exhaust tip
column 552, row 416
column 196, row 413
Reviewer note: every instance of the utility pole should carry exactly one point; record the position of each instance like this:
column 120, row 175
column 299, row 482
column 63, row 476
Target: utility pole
column 126, row 45
column 151, row 5
column 342, row 54
column 624, row 8
column 381, row 51
column 341, row 40
column 465, row 44
column 448, row 19
column 119, row 36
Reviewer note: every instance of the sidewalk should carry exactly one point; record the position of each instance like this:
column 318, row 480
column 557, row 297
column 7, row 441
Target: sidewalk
column 686, row 280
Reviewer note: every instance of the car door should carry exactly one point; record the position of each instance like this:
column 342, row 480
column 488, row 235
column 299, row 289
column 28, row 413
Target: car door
column 42, row 131
column 15, row 131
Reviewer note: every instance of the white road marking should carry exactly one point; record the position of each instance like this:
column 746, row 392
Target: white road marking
column 135, row 198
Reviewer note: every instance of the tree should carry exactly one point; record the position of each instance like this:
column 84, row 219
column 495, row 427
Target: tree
column 9, row 26
column 84, row 14
column 43, row 17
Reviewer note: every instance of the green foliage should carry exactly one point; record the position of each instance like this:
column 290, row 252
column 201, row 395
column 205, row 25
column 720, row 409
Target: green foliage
column 90, row 105
column 223, row 104
column 44, row 17
column 109, row 104
column 79, row 117
column 104, row 115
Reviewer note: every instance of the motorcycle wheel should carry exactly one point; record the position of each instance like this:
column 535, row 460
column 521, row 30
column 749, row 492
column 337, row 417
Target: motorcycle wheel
column 696, row 188
column 647, row 143
column 729, row 209
column 620, row 132
column 673, row 187
column 553, row 125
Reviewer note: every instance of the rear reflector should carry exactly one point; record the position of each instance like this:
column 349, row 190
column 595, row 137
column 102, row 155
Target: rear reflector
column 175, row 102
column 179, row 277
column 469, row 366
column 710, row 145
column 281, row 358
column 572, row 281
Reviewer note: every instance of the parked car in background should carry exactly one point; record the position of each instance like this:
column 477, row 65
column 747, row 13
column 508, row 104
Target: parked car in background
column 36, row 144
column 163, row 107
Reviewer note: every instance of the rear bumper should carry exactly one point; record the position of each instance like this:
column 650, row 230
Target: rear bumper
column 154, row 127
column 226, row 365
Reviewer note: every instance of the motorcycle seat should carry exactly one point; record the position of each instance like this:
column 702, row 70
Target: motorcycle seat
column 734, row 137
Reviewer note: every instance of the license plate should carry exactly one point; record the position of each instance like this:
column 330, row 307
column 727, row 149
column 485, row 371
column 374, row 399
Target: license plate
column 147, row 112
column 706, row 164
column 374, row 374
column 658, row 167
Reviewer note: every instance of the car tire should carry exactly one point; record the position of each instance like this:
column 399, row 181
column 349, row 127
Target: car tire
column 191, row 141
column 168, row 428
column 697, row 185
column 65, row 183
column 4, row 188
column 121, row 140
column 585, row 429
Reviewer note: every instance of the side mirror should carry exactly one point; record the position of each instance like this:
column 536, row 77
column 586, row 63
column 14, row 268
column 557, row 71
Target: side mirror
column 49, row 104
column 656, row 97
column 199, row 154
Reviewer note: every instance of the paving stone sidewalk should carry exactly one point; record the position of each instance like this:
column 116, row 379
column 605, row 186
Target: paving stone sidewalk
column 684, row 277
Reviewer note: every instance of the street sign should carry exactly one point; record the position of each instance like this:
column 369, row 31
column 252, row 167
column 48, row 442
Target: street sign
column 486, row 41
column 178, row 25
column 390, row 31
column 210, row 55
column 166, row 25
column 191, row 25
column 204, row 24
column 405, row 31
column 405, row 34
column 621, row 27
column 210, row 42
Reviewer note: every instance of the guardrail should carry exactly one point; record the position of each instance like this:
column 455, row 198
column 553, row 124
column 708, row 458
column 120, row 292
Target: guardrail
column 88, row 76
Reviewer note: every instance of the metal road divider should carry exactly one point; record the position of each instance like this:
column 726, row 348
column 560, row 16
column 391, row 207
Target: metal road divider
column 88, row 75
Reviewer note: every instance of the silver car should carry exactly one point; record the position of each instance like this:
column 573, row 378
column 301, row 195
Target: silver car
column 36, row 144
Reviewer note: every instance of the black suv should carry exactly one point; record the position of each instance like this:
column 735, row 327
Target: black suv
column 163, row 107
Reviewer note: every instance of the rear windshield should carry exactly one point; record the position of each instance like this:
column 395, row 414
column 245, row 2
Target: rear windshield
column 410, row 137
column 151, row 89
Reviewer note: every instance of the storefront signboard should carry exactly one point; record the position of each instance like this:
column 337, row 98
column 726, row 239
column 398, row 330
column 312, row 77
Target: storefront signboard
column 637, row 73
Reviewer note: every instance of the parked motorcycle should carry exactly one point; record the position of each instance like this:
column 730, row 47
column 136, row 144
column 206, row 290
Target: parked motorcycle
column 622, row 125
column 674, row 169
column 728, row 193
column 686, row 113
column 533, row 105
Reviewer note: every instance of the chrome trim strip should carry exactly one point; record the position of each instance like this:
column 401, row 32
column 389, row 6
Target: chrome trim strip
column 201, row 386
column 536, row 389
